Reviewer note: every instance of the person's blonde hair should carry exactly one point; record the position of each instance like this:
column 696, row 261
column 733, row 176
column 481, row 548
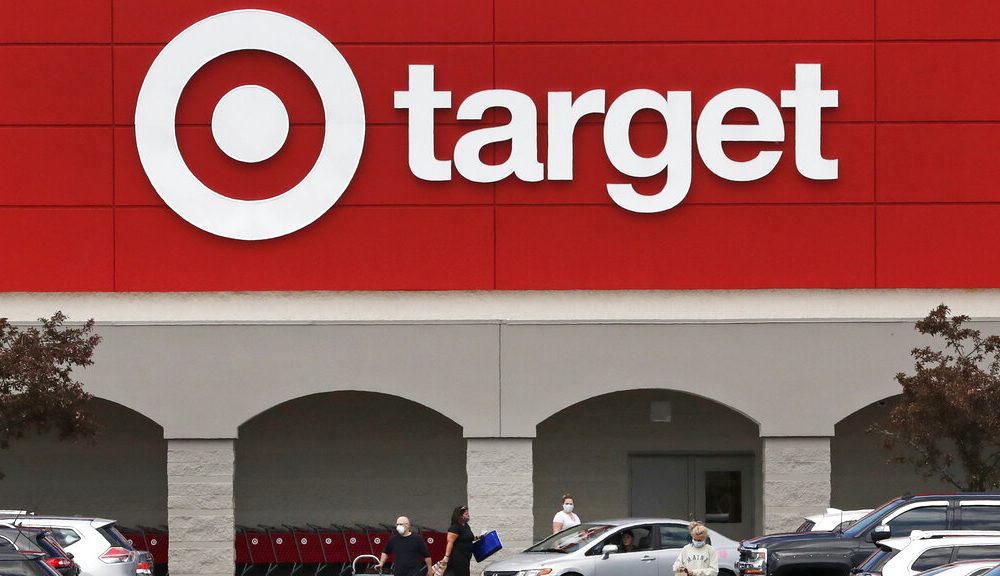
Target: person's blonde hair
column 697, row 528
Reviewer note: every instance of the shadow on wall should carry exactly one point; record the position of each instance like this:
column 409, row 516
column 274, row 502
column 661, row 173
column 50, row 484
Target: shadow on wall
column 123, row 476
column 346, row 458
column 584, row 449
column 858, row 458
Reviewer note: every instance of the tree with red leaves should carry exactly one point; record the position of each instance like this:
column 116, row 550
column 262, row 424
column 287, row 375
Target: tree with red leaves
column 37, row 389
column 950, row 409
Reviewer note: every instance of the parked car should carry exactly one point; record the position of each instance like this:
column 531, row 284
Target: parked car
column 595, row 549
column 832, row 519
column 95, row 543
column 835, row 553
column 966, row 568
column 920, row 551
column 39, row 540
column 24, row 564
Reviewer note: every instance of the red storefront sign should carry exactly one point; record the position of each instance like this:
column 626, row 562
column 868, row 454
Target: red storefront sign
column 913, row 134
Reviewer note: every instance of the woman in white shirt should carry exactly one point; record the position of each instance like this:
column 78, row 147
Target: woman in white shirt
column 565, row 518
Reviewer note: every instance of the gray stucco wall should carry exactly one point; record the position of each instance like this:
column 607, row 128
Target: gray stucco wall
column 794, row 379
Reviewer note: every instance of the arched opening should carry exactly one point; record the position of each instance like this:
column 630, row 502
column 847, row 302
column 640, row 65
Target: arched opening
column 349, row 458
column 650, row 453
column 122, row 475
column 857, row 457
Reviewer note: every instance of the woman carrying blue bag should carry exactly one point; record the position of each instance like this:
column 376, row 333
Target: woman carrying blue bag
column 458, row 550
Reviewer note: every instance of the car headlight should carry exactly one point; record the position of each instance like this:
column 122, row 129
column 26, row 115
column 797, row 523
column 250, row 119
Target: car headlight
column 755, row 561
column 535, row 572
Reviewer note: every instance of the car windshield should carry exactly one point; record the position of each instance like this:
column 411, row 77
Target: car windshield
column 571, row 539
column 877, row 560
column 866, row 521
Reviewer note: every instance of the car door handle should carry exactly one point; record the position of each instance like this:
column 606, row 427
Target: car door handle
column 647, row 559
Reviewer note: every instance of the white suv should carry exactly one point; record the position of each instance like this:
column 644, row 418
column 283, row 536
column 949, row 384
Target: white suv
column 95, row 543
column 832, row 519
column 920, row 551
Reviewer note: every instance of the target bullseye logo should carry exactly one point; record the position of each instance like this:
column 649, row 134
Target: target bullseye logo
column 250, row 124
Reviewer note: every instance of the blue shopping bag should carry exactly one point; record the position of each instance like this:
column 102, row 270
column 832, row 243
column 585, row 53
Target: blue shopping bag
column 486, row 546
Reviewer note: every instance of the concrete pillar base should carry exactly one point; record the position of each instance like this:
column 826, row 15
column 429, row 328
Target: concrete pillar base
column 501, row 492
column 200, row 507
column 796, row 480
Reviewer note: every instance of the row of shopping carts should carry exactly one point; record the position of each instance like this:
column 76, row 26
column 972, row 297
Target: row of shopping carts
column 316, row 549
column 293, row 550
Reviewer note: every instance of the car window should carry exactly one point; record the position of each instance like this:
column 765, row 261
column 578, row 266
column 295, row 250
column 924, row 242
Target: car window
column 674, row 536
column 980, row 572
column 114, row 537
column 65, row 536
column 977, row 553
column 877, row 560
column 980, row 517
column 923, row 518
column 571, row 539
column 25, row 568
column 641, row 540
column 932, row 558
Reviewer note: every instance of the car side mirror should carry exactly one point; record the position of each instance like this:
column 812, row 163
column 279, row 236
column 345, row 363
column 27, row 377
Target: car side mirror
column 608, row 550
column 880, row 533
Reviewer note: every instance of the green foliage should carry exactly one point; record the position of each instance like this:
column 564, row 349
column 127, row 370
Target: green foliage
column 950, row 410
column 37, row 390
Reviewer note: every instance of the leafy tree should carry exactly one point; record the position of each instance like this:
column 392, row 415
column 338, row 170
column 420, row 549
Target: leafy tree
column 950, row 409
column 37, row 390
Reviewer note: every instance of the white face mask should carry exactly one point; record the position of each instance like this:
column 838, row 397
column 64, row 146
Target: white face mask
column 568, row 508
column 401, row 529
column 698, row 543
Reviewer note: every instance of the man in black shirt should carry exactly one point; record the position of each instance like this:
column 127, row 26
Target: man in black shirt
column 407, row 549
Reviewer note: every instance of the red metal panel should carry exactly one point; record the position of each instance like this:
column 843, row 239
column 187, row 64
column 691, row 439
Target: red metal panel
column 938, row 163
column 55, row 84
column 938, row 246
column 938, row 19
column 852, row 144
column 355, row 21
column 56, row 250
column 348, row 248
column 55, row 166
column 55, row 21
column 703, row 69
column 383, row 177
column 690, row 247
column 659, row 20
column 938, row 81
column 380, row 71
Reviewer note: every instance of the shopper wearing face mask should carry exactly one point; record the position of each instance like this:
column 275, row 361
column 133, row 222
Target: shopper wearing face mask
column 565, row 518
column 407, row 549
column 697, row 558
column 458, row 549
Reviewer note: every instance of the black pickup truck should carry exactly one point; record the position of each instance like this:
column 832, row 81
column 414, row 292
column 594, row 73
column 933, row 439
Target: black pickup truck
column 835, row 553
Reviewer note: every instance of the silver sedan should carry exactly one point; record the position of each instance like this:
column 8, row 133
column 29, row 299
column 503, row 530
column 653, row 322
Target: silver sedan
column 601, row 549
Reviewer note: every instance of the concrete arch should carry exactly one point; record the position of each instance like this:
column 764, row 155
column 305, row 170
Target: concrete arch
column 611, row 391
column 204, row 381
column 794, row 379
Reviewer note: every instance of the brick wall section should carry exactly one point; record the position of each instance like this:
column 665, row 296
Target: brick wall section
column 501, row 492
column 200, row 507
column 796, row 480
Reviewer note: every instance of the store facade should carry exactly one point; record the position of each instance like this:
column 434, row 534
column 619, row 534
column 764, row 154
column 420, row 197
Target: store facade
column 363, row 259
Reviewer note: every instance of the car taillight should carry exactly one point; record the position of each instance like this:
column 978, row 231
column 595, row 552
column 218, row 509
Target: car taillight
column 116, row 555
column 143, row 568
column 59, row 563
